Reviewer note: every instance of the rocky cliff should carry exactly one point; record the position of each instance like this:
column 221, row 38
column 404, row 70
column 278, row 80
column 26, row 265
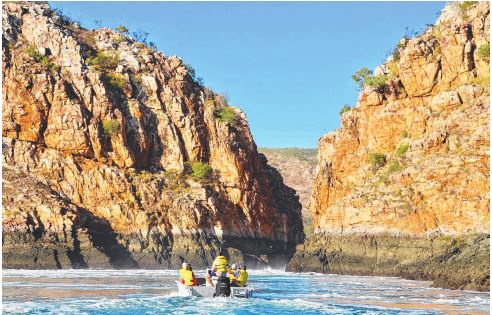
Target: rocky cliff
column 115, row 155
column 404, row 181
column 297, row 167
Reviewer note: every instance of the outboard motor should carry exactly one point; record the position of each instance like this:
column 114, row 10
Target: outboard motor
column 223, row 286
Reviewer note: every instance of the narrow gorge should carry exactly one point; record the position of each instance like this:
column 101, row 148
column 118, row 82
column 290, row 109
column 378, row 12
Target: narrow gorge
column 117, row 156
column 402, row 187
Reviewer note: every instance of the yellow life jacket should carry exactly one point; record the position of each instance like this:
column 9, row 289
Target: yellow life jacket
column 187, row 276
column 220, row 264
column 231, row 275
column 243, row 278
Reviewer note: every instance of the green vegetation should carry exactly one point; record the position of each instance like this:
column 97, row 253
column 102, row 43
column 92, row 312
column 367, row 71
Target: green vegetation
column 104, row 61
column 199, row 170
column 210, row 103
column 383, row 178
column 464, row 7
column 377, row 160
column 308, row 228
column 396, row 51
column 393, row 68
column 483, row 52
column 482, row 81
column 42, row 59
column 345, row 109
column 116, row 79
column 226, row 115
column 401, row 150
column 118, row 39
column 364, row 77
column 360, row 76
column 377, row 82
column 403, row 134
column 110, row 127
column 121, row 29
column 308, row 155
column 394, row 166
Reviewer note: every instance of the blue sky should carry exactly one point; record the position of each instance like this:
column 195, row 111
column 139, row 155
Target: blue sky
column 287, row 65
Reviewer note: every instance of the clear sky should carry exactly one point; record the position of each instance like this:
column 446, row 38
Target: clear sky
column 287, row 65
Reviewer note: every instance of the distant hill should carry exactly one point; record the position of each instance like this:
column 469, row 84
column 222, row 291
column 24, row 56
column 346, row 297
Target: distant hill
column 297, row 166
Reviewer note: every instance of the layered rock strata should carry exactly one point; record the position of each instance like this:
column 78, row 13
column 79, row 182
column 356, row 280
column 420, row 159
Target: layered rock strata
column 115, row 155
column 410, row 163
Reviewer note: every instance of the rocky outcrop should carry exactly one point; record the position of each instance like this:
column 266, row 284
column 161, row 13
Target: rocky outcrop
column 458, row 262
column 411, row 159
column 297, row 167
column 133, row 161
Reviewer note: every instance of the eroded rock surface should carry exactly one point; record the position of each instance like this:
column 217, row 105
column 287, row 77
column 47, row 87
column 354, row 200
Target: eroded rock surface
column 411, row 159
column 112, row 131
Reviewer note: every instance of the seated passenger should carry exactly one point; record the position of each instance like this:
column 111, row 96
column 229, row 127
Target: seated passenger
column 232, row 275
column 243, row 277
column 186, row 275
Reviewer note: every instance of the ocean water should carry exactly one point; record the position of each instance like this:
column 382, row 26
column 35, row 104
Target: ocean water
column 276, row 292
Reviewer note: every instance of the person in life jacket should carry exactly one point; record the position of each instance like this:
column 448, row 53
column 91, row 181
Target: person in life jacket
column 186, row 275
column 232, row 275
column 219, row 268
column 223, row 286
column 243, row 277
column 220, row 264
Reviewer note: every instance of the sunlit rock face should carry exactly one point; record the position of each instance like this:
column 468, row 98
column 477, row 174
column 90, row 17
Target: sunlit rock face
column 411, row 160
column 140, row 164
column 431, row 127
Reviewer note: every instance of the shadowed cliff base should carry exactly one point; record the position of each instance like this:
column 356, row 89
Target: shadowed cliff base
column 459, row 262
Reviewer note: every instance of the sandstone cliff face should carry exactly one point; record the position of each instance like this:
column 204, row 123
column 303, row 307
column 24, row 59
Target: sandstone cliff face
column 430, row 127
column 411, row 160
column 110, row 128
column 297, row 167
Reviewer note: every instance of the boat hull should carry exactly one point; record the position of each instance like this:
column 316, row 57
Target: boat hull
column 209, row 291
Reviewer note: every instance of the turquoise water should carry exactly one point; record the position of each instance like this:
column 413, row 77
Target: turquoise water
column 276, row 292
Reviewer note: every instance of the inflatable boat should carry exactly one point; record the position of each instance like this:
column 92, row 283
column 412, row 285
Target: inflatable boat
column 209, row 291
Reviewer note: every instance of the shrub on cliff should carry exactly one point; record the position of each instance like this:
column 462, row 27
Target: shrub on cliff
column 42, row 59
column 104, row 61
column 345, row 109
column 118, row 39
column 378, row 82
column 199, row 170
column 393, row 68
column 226, row 115
column 116, row 79
column 394, row 166
column 377, row 160
column 121, row 29
column 360, row 76
column 484, row 52
column 364, row 77
column 402, row 149
column 464, row 7
column 110, row 127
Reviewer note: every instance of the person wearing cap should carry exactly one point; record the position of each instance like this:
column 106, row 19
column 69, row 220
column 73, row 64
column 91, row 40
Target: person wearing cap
column 186, row 275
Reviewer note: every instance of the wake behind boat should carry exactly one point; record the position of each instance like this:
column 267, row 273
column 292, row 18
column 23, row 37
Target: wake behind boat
column 209, row 291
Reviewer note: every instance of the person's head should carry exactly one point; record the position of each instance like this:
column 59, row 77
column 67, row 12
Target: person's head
column 184, row 265
column 243, row 267
column 222, row 253
column 234, row 267
column 189, row 267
